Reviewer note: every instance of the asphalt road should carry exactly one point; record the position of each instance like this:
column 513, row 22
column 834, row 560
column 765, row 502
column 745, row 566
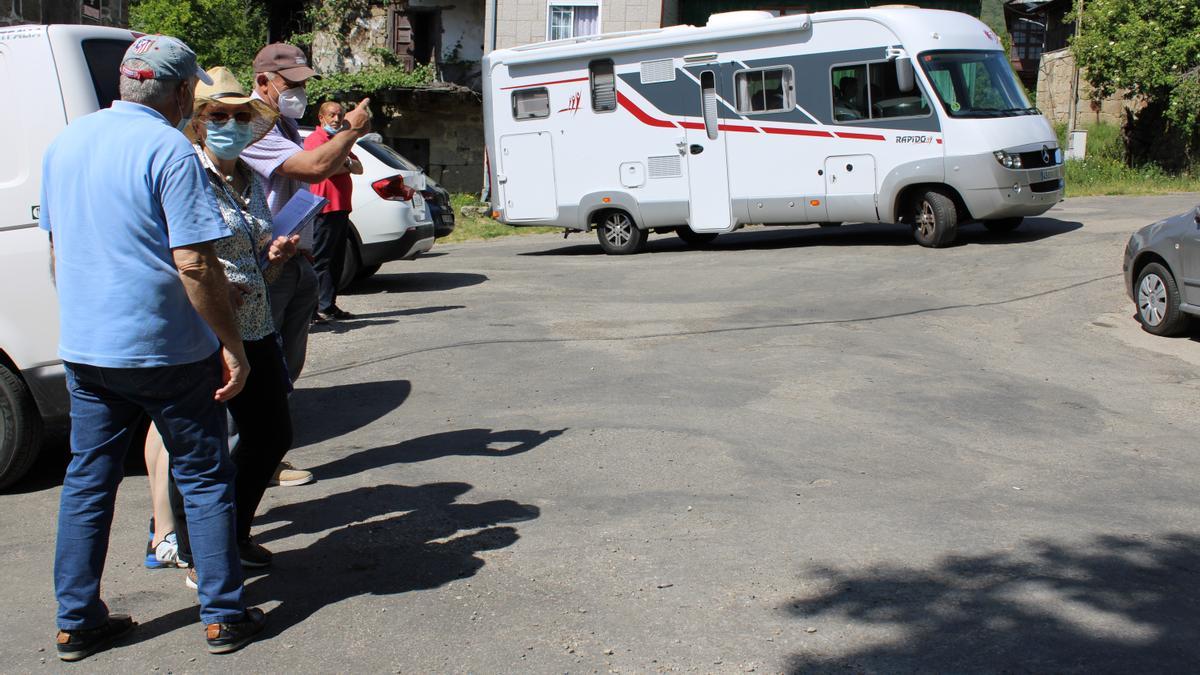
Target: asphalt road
column 799, row 450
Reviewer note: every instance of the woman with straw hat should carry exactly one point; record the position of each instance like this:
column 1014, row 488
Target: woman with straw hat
column 226, row 120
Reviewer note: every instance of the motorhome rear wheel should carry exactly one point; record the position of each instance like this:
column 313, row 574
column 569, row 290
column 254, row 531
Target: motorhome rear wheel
column 618, row 234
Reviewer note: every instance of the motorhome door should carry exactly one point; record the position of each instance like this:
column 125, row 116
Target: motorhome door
column 708, row 167
column 850, row 188
column 526, row 177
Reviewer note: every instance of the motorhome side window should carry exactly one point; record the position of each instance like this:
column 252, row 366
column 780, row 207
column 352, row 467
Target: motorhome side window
column 765, row 90
column 870, row 91
column 604, row 86
column 531, row 104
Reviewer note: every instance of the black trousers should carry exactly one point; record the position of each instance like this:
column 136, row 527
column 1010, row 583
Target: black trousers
column 329, row 255
column 264, row 435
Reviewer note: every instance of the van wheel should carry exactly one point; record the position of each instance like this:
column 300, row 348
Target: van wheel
column 619, row 235
column 694, row 238
column 1158, row 302
column 1003, row 224
column 934, row 219
column 350, row 265
column 366, row 272
column 20, row 428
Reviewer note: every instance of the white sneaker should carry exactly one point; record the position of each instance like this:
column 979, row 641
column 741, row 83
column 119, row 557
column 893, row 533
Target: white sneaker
column 167, row 552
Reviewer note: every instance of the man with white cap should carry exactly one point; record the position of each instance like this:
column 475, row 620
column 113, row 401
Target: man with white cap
column 147, row 328
column 280, row 74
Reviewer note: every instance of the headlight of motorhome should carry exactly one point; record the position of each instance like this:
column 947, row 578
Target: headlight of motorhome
column 1007, row 159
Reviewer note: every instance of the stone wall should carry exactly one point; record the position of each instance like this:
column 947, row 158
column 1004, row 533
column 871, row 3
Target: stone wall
column 1054, row 94
column 353, row 51
column 446, row 122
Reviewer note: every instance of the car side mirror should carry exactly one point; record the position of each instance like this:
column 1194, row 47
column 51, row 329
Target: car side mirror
column 904, row 74
column 1196, row 215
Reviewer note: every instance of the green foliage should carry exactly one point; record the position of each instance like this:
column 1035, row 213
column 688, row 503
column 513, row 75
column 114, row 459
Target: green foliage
column 473, row 226
column 1149, row 48
column 221, row 32
column 368, row 81
column 1104, row 172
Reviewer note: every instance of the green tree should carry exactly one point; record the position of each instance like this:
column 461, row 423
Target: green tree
column 222, row 32
column 1149, row 49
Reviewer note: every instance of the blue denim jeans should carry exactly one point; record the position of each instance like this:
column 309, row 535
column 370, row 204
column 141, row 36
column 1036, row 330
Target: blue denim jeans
column 107, row 405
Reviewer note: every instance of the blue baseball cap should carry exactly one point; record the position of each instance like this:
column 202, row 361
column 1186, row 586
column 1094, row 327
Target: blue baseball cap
column 165, row 58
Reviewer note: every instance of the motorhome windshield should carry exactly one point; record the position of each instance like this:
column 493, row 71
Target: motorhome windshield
column 976, row 84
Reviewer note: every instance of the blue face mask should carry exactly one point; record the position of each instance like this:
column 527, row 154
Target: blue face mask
column 228, row 140
column 330, row 130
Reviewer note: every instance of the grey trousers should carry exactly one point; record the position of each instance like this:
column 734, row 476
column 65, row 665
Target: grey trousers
column 293, row 303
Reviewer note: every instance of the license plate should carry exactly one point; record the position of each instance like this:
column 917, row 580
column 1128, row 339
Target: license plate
column 1047, row 174
column 418, row 203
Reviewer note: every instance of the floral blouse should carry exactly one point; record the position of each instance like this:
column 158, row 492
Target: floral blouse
column 250, row 220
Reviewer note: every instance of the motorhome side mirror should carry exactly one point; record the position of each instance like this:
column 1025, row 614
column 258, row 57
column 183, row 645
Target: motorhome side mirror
column 904, row 74
column 1196, row 215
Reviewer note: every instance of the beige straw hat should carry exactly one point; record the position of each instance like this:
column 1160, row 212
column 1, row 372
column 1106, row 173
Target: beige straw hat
column 226, row 89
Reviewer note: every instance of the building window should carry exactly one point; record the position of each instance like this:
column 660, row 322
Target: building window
column 571, row 21
column 1027, row 39
column 765, row 90
column 604, row 86
column 531, row 104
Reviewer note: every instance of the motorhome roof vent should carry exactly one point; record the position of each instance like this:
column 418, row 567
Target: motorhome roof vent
column 735, row 18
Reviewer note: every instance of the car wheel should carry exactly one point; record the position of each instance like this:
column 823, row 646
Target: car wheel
column 934, row 219
column 366, row 272
column 20, row 428
column 350, row 265
column 694, row 238
column 619, row 235
column 1003, row 224
column 1158, row 301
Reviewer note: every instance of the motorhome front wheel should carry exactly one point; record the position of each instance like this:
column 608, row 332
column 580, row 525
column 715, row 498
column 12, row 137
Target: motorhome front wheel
column 934, row 219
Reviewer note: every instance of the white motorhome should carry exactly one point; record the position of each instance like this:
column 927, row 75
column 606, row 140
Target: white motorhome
column 894, row 114
column 49, row 76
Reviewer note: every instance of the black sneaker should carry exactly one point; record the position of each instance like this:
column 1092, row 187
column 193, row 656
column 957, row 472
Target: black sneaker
column 254, row 555
column 224, row 638
column 74, row 645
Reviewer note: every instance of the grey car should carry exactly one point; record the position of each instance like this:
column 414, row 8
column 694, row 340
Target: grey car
column 1162, row 273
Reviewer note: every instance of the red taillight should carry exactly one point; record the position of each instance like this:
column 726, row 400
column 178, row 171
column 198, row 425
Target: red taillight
column 393, row 188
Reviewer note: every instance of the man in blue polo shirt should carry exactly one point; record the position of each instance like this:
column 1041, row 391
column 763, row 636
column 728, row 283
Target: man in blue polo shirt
column 147, row 329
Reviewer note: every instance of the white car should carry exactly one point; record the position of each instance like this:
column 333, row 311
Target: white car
column 389, row 220
column 82, row 61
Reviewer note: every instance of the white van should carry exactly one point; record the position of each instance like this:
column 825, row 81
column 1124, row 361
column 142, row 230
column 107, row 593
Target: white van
column 892, row 114
column 49, row 75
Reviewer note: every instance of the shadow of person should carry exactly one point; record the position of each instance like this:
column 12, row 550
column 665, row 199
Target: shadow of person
column 321, row 413
column 476, row 442
column 1115, row 604
column 435, row 542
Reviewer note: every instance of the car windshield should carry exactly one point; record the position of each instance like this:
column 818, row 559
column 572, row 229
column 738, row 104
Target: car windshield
column 976, row 84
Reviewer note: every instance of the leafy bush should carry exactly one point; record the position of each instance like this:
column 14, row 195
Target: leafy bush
column 368, row 81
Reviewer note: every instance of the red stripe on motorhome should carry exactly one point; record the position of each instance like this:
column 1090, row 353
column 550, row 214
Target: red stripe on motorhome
column 861, row 137
column 543, row 84
column 641, row 114
column 797, row 132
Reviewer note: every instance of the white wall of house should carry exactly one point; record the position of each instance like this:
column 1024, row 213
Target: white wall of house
column 522, row 22
column 462, row 24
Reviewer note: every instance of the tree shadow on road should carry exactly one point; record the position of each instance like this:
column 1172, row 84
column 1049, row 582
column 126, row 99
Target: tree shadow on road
column 1116, row 604
column 861, row 234
column 322, row 413
column 466, row 442
column 434, row 542
column 415, row 282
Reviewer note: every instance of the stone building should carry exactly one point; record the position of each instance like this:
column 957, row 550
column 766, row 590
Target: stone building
column 94, row 12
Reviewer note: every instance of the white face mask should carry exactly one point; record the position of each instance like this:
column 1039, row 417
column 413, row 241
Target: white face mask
column 292, row 102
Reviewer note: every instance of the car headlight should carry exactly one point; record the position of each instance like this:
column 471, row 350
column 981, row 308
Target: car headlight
column 1007, row 159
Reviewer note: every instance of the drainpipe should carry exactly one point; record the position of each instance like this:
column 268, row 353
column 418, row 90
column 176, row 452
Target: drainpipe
column 1075, row 79
column 493, row 6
